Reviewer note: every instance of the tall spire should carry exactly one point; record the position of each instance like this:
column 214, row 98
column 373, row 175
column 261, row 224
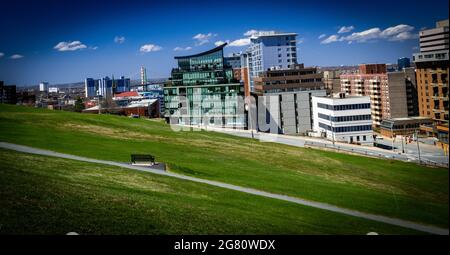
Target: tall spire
column 143, row 75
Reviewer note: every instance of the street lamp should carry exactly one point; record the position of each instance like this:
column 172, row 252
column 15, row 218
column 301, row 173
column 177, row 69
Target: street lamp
column 418, row 148
column 249, row 119
column 98, row 103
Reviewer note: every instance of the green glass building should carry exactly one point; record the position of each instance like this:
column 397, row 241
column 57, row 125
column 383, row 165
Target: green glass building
column 202, row 90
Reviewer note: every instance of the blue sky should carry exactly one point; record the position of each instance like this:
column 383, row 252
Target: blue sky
column 66, row 41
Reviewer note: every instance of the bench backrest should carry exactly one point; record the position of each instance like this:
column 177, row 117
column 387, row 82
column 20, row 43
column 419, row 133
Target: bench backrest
column 142, row 157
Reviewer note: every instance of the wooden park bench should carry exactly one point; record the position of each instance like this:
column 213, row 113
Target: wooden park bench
column 142, row 159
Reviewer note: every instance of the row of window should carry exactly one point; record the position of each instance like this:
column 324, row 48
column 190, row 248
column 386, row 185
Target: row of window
column 345, row 129
column 345, row 118
column 344, row 106
column 288, row 55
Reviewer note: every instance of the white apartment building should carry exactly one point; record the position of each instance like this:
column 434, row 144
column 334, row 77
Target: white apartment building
column 43, row 86
column 343, row 118
column 271, row 50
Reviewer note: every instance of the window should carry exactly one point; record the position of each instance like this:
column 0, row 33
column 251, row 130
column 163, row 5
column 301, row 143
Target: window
column 343, row 107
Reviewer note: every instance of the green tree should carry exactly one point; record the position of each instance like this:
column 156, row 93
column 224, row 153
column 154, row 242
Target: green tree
column 79, row 105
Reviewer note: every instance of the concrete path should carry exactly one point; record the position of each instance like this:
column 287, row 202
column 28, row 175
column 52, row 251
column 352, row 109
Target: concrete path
column 328, row 207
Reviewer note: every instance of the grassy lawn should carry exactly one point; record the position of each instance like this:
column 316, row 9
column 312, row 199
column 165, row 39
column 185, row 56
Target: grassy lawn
column 45, row 195
column 391, row 188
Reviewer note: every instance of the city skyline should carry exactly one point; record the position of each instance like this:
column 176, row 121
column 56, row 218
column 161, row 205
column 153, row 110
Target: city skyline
column 48, row 42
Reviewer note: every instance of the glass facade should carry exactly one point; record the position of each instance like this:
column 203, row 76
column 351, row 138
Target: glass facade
column 204, row 88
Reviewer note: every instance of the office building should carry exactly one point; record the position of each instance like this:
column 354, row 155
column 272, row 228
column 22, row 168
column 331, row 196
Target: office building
column 287, row 112
column 372, row 68
column 367, row 85
column 332, row 81
column 392, row 95
column 271, row 50
column 105, row 87
column 245, row 73
column 287, row 93
column 8, row 93
column 53, row 90
column 432, row 69
column 402, row 91
column 342, row 118
column 296, row 78
column 157, row 94
column 122, row 85
column 403, row 126
column 91, row 87
column 435, row 39
column 203, row 91
column 403, row 63
column 234, row 61
column 43, row 86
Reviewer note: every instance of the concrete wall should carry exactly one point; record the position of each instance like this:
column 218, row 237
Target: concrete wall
column 398, row 105
column 291, row 114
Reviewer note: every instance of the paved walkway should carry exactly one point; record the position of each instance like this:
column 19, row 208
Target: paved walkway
column 328, row 207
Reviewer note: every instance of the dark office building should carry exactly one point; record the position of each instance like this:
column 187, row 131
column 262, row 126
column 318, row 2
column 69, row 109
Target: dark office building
column 296, row 78
column 7, row 93
column 121, row 85
column 403, row 63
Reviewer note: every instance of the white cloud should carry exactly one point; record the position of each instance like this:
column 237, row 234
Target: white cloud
column 300, row 40
column 364, row 36
column 203, row 38
column 2, row 54
column 16, row 56
column 240, row 42
column 69, row 46
column 395, row 33
column 330, row 39
column 93, row 47
column 181, row 48
column 345, row 29
column 119, row 39
column 322, row 36
column 404, row 36
column 150, row 48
